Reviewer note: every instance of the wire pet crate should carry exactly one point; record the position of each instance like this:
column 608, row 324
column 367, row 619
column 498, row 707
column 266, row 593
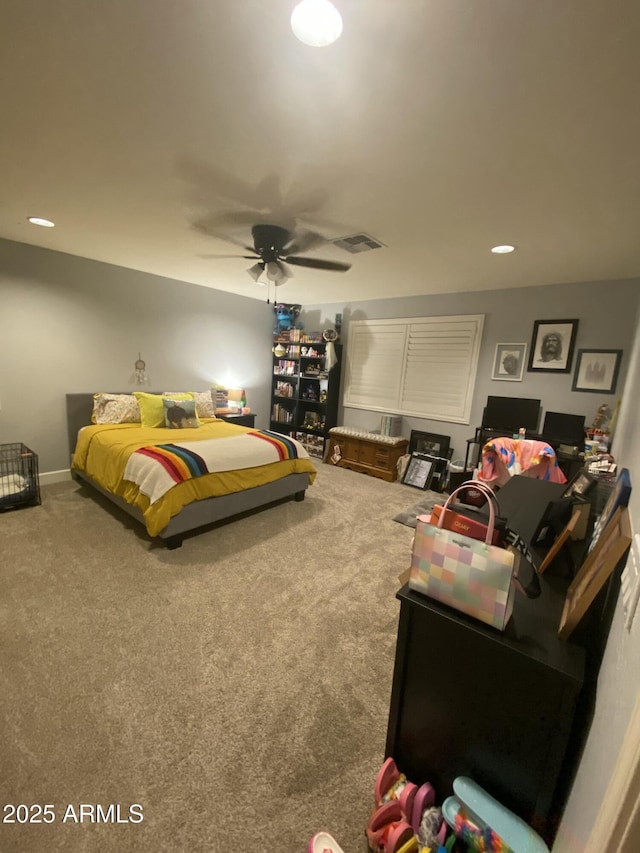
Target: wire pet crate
column 19, row 484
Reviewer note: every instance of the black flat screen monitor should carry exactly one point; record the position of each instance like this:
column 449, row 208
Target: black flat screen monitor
column 511, row 413
column 564, row 429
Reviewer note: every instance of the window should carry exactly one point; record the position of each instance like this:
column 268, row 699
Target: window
column 422, row 366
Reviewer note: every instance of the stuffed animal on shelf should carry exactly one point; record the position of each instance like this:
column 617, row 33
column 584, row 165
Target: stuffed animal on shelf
column 286, row 316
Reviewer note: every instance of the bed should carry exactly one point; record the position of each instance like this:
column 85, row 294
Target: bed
column 103, row 453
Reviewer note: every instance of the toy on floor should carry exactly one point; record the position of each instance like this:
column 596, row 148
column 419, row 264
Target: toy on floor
column 485, row 825
column 322, row 842
column 405, row 818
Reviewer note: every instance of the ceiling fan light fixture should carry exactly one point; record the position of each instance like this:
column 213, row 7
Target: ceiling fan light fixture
column 275, row 272
column 316, row 22
column 256, row 271
column 503, row 250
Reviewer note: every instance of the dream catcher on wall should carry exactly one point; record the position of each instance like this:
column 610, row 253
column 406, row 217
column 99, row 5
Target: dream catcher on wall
column 139, row 375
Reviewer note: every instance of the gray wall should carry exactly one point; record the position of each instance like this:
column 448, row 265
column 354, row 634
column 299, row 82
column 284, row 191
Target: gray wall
column 606, row 311
column 71, row 325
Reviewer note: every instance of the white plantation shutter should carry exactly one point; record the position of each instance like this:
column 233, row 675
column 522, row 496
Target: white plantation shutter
column 424, row 367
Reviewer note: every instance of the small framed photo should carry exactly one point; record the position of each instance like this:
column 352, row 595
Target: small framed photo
column 597, row 370
column 552, row 345
column 419, row 471
column 429, row 442
column 580, row 484
column 508, row 362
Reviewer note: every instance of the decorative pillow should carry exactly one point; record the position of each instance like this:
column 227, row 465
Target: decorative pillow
column 115, row 409
column 180, row 414
column 205, row 406
column 151, row 408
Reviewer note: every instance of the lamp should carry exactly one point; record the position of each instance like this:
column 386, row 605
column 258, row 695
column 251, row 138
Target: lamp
column 139, row 375
column 256, row 271
column 316, row 22
column 276, row 272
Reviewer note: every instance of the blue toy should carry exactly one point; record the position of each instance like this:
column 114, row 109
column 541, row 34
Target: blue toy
column 286, row 317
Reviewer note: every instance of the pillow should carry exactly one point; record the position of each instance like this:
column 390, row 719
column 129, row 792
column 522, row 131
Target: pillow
column 115, row 409
column 151, row 408
column 180, row 414
column 205, row 406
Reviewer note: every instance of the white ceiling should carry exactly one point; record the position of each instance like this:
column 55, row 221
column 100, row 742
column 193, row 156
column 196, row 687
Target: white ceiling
column 439, row 127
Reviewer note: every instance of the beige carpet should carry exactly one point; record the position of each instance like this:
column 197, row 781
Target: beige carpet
column 237, row 688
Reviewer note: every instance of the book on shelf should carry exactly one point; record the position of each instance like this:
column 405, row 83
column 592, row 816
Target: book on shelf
column 281, row 414
column 284, row 389
column 284, row 367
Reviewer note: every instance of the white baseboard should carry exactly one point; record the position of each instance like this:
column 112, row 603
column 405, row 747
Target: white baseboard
column 47, row 478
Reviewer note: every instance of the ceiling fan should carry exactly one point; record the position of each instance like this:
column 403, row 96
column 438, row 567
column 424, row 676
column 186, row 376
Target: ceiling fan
column 275, row 248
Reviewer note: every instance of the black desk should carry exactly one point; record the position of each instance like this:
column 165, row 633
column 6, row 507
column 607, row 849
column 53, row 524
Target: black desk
column 499, row 707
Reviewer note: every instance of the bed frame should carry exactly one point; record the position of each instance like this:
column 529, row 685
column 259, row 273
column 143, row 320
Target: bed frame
column 199, row 514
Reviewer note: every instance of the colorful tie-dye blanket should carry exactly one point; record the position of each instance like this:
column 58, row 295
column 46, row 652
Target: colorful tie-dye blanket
column 157, row 468
column 502, row 458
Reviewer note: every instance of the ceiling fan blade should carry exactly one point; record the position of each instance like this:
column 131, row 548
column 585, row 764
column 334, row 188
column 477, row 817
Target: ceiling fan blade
column 317, row 263
column 246, row 257
column 303, row 241
column 208, row 228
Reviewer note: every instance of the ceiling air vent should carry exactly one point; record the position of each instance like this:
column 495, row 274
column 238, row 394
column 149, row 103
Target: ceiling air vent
column 357, row 243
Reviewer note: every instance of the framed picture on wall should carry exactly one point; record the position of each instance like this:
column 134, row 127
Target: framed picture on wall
column 597, row 370
column 552, row 345
column 508, row 362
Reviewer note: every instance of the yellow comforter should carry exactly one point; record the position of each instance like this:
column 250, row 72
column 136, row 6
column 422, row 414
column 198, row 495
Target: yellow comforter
column 102, row 452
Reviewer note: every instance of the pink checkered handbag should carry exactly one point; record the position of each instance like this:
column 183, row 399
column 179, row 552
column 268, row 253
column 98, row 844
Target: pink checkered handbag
column 472, row 576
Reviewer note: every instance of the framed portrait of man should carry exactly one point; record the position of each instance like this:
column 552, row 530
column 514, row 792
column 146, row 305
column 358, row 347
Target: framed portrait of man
column 508, row 362
column 552, row 345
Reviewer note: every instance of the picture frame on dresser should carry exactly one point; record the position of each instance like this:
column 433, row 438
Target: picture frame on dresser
column 610, row 549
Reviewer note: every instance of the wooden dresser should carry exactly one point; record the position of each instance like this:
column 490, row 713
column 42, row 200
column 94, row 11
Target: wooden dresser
column 366, row 452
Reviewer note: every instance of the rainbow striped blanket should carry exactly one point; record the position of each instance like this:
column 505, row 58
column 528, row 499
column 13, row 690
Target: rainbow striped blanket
column 157, row 468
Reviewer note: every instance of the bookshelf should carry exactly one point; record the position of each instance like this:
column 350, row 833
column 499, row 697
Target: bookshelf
column 305, row 388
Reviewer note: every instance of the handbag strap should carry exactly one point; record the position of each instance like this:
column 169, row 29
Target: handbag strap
column 489, row 495
column 533, row 588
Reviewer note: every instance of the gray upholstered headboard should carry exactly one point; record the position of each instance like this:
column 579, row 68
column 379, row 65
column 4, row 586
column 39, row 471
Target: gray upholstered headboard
column 79, row 409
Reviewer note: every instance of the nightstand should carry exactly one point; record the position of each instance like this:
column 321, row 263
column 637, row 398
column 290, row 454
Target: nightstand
column 240, row 420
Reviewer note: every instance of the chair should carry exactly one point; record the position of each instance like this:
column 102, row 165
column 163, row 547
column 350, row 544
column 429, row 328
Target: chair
column 504, row 457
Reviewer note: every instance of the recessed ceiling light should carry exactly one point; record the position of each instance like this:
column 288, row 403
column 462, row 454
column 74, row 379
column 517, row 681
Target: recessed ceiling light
column 316, row 22
column 503, row 250
column 38, row 220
